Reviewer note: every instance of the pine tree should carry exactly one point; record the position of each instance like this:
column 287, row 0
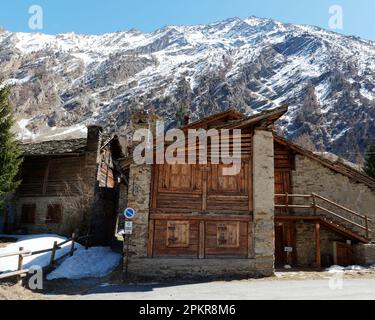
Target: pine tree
column 10, row 159
column 369, row 167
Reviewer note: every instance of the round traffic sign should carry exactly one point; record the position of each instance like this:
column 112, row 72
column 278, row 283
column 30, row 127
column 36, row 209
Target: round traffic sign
column 129, row 213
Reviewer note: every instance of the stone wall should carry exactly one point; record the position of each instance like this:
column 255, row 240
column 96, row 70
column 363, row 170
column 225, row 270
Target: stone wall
column 71, row 219
column 306, row 246
column 139, row 199
column 184, row 269
column 364, row 254
column 310, row 176
column 263, row 201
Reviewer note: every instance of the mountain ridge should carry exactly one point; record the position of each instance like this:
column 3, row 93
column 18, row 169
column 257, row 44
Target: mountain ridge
column 62, row 82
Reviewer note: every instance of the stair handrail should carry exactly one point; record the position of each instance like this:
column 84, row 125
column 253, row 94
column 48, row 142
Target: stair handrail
column 314, row 206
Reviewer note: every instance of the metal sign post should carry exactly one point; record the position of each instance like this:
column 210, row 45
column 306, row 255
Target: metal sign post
column 129, row 214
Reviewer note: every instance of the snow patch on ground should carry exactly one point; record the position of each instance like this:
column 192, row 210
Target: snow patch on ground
column 33, row 243
column 92, row 263
column 337, row 268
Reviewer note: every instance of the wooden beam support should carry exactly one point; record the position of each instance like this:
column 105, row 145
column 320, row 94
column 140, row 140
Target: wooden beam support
column 150, row 244
column 317, row 243
column 201, row 240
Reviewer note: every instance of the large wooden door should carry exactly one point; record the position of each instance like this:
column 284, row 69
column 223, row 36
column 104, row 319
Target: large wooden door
column 201, row 188
column 285, row 244
column 344, row 254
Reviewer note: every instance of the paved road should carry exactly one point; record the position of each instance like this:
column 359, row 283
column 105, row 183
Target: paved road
column 252, row 290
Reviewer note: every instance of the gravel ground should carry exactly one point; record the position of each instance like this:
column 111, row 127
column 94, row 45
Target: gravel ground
column 357, row 289
column 292, row 285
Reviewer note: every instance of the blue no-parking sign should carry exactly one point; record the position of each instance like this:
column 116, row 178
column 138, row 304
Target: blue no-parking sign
column 129, row 213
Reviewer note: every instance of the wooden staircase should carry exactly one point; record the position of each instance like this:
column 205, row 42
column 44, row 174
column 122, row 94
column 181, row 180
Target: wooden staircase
column 329, row 213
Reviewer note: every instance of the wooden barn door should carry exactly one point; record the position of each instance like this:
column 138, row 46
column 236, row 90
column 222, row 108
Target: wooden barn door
column 344, row 254
column 285, row 238
column 282, row 186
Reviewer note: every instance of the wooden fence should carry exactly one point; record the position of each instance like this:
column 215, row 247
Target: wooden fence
column 20, row 272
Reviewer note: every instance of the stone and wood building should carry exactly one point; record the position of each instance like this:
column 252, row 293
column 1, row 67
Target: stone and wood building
column 286, row 206
column 69, row 186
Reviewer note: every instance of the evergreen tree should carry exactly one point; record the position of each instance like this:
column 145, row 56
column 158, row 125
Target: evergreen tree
column 10, row 159
column 369, row 167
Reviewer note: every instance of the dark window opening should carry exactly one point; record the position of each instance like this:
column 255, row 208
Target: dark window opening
column 28, row 213
column 54, row 214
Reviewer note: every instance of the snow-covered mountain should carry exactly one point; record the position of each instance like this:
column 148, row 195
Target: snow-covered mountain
column 65, row 81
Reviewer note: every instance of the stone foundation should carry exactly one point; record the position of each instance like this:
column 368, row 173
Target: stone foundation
column 185, row 269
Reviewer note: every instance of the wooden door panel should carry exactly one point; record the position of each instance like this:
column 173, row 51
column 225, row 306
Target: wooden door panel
column 344, row 254
column 201, row 188
column 220, row 183
column 226, row 238
column 179, row 178
column 181, row 241
column 285, row 237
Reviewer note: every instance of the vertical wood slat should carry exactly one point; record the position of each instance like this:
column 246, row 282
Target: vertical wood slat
column 201, row 240
column 46, row 175
column 72, row 245
column 250, row 178
column 151, row 237
column 204, row 188
column 20, row 262
column 155, row 182
column 53, row 253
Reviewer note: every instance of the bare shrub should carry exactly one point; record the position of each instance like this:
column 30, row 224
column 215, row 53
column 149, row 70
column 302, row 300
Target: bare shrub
column 77, row 199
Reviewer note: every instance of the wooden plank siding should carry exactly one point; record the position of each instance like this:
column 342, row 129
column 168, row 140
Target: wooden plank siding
column 210, row 213
column 284, row 164
column 49, row 176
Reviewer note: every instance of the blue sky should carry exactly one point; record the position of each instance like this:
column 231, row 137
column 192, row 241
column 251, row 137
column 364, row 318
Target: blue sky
column 96, row 17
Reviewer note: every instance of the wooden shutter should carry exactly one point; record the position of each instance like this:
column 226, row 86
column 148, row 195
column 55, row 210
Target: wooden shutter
column 54, row 214
column 28, row 213
column 178, row 234
column 228, row 235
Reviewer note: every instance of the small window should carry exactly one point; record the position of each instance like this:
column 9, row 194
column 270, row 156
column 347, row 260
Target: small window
column 178, row 234
column 54, row 214
column 28, row 213
column 228, row 235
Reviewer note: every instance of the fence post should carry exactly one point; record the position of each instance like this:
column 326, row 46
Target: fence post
column 367, row 233
column 314, row 203
column 87, row 242
column 72, row 246
column 53, row 253
column 20, row 262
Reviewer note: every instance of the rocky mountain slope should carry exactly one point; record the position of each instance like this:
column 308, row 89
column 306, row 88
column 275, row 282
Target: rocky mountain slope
column 65, row 81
